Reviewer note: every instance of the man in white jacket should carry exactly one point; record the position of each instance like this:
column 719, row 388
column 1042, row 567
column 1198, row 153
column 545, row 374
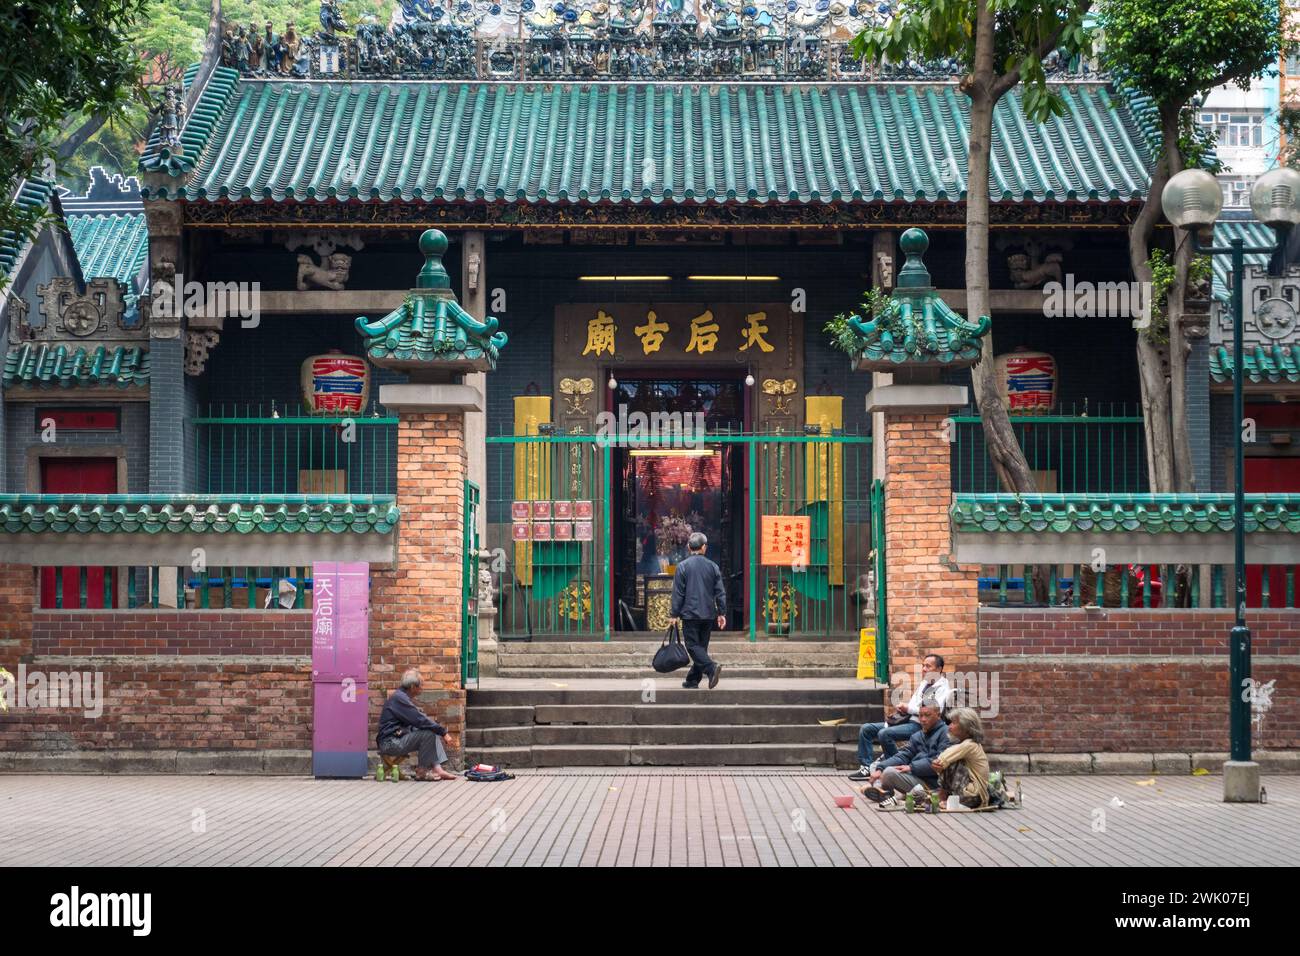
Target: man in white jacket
column 931, row 685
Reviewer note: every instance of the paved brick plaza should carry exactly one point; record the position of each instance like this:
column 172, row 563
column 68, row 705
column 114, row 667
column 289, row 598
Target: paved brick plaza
column 641, row 817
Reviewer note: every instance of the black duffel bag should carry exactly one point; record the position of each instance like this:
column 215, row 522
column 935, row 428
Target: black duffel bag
column 672, row 655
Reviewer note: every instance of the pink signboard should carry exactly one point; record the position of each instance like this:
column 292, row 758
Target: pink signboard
column 340, row 660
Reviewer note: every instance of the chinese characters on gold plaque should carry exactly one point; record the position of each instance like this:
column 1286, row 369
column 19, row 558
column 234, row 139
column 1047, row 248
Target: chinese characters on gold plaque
column 702, row 335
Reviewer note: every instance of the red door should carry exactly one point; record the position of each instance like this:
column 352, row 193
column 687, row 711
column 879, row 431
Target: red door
column 77, row 476
column 1262, row 476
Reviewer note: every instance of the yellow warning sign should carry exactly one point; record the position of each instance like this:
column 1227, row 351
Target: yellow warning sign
column 867, row 653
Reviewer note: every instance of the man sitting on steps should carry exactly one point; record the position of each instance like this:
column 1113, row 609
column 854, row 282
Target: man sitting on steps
column 903, row 722
column 910, row 769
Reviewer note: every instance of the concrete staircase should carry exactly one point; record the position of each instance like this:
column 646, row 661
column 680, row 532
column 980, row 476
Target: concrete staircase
column 629, row 656
column 653, row 721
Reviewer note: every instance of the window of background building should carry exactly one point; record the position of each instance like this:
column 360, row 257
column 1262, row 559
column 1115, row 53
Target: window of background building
column 1236, row 192
column 1236, row 129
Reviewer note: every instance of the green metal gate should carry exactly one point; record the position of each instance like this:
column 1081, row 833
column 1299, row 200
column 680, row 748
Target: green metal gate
column 879, row 564
column 563, row 530
column 469, row 587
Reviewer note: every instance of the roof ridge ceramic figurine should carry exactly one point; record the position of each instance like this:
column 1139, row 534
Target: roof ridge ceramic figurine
column 429, row 330
column 919, row 329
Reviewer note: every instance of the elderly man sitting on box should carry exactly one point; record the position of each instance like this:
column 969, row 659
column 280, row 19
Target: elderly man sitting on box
column 404, row 728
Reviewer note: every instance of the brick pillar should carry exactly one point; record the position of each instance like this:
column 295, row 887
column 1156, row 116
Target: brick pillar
column 17, row 599
column 415, row 618
column 933, row 603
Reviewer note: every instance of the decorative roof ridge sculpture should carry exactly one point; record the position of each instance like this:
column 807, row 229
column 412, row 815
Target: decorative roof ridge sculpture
column 430, row 330
column 707, row 40
column 918, row 328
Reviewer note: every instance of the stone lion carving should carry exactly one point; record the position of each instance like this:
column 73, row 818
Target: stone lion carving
column 332, row 273
column 1027, row 276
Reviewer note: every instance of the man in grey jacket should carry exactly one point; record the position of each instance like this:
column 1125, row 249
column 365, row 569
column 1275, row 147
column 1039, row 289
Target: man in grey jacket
column 910, row 767
column 699, row 601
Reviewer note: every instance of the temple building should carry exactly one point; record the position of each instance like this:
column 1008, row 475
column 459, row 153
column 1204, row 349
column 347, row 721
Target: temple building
column 505, row 299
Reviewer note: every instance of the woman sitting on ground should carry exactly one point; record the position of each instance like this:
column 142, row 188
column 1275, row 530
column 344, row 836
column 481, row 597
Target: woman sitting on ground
column 964, row 767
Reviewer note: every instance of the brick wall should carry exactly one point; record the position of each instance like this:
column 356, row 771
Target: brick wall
column 1132, row 679
column 172, row 680
column 1144, row 631
column 249, row 703
column 415, row 619
column 17, row 598
column 80, row 633
column 932, row 603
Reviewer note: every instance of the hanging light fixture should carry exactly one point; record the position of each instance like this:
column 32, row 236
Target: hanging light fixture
column 749, row 379
column 613, row 382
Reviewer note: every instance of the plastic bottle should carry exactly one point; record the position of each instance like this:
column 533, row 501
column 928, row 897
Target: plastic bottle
column 910, row 803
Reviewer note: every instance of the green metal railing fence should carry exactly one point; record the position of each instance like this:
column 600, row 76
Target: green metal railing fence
column 469, row 586
column 594, row 580
column 1146, row 586
column 215, row 588
column 879, row 565
column 247, row 449
column 1082, row 450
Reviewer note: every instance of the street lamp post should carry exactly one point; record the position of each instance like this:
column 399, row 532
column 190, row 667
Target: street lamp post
column 1191, row 200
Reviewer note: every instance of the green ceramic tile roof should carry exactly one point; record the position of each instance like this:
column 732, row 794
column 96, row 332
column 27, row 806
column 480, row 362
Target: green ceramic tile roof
column 197, row 514
column 30, row 194
column 198, row 126
column 113, row 246
column 1153, row 514
column 1253, row 233
column 430, row 326
column 44, row 365
column 1273, row 365
column 638, row 142
column 921, row 329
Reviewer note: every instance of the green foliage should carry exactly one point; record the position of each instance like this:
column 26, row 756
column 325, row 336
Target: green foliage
column 1163, row 276
column 167, row 40
column 1288, row 118
column 945, row 29
column 1172, row 50
column 59, row 59
column 875, row 303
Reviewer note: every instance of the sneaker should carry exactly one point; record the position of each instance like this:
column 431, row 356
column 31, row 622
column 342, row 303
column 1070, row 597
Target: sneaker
column 891, row 802
column 862, row 774
column 689, row 686
column 717, row 672
column 876, row 795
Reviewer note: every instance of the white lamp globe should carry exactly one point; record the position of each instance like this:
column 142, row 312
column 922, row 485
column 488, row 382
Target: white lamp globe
column 1275, row 197
column 1192, row 199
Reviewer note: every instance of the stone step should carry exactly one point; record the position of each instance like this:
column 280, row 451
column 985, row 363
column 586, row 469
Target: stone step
column 524, row 699
column 733, row 648
column 644, row 671
column 658, row 734
column 665, row 713
column 619, row 659
column 643, row 639
column 610, row 755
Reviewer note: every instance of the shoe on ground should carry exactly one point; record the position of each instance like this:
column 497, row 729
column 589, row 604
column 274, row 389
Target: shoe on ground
column 876, row 795
column 689, row 686
column 890, row 802
column 862, row 774
column 717, row 673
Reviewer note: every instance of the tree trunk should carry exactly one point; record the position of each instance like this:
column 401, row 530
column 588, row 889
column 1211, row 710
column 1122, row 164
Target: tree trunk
column 1004, row 450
